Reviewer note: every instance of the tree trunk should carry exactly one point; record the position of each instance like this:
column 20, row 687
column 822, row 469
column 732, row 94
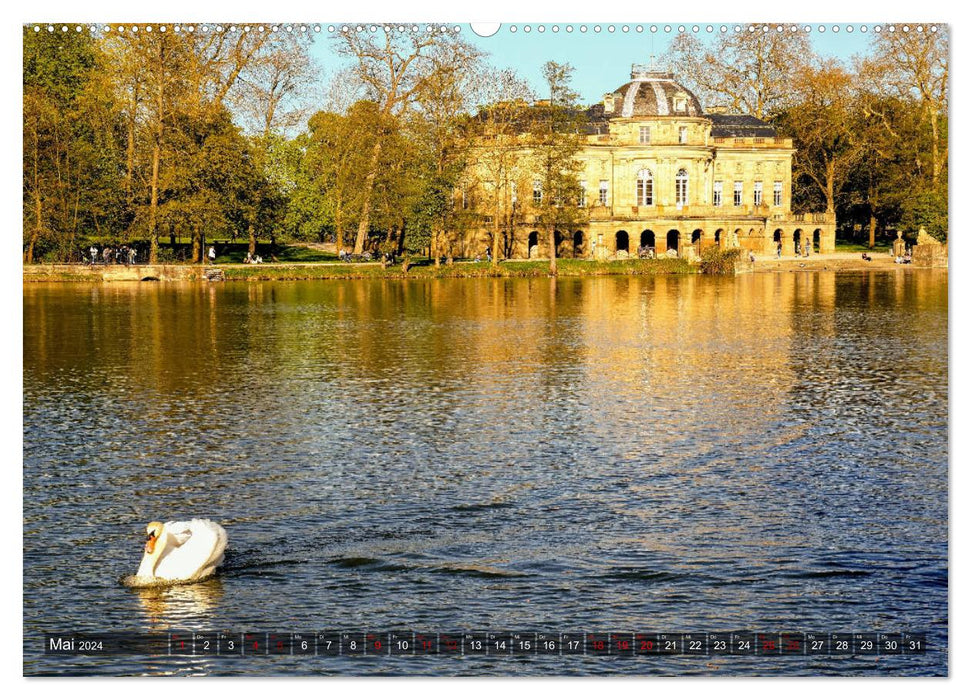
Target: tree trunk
column 252, row 239
column 38, row 220
column 873, row 230
column 830, row 183
column 197, row 252
column 365, row 223
column 156, row 161
column 935, row 152
column 153, row 207
column 130, row 164
column 338, row 230
column 552, row 244
column 37, row 226
column 401, row 237
column 510, row 239
column 495, row 237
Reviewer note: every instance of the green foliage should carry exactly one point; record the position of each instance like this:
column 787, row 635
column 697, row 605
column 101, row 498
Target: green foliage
column 715, row 261
column 928, row 210
column 71, row 153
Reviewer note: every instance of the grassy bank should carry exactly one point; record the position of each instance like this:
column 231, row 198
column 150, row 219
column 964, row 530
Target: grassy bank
column 427, row 270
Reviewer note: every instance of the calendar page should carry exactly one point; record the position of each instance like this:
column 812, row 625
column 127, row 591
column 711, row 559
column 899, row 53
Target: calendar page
column 440, row 348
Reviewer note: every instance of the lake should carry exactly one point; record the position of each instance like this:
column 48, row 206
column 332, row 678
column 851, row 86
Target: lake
column 617, row 454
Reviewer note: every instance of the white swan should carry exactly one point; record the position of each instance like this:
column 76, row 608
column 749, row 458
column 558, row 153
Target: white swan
column 180, row 552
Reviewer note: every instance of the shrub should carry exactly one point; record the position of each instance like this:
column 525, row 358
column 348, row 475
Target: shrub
column 715, row 261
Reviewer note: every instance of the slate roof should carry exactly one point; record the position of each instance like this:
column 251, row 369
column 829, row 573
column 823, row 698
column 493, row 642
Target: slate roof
column 739, row 125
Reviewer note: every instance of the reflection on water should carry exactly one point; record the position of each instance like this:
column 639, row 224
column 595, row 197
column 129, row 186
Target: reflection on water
column 183, row 607
column 664, row 453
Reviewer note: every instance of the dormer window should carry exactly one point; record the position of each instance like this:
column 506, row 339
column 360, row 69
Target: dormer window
column 680, row 104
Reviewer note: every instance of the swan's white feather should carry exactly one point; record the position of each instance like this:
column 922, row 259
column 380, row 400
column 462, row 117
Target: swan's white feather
column 192, row 549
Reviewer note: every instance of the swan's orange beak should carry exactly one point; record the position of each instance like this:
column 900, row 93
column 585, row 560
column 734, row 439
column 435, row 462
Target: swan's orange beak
column 150, row 544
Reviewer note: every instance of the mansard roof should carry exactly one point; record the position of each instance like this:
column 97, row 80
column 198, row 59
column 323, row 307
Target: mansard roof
column 739, row 125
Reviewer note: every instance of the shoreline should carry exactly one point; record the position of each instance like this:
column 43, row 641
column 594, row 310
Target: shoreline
column 567, row 267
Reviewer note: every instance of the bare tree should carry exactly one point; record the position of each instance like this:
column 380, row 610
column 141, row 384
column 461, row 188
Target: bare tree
column 749, row 71
column 271, row 96
column 393, row 64
column 161, row 75
column 821, row 122
column 506, row 100
column 556, row 140
column 914, row 66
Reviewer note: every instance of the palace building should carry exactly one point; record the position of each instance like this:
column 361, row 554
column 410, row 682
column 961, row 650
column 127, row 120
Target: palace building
column 660, row 176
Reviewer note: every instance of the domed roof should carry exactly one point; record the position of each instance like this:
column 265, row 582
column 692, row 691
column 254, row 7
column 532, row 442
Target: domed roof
column 654, row 94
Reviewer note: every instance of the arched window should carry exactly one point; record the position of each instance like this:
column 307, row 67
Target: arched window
column 645, row 188
column 681, row 188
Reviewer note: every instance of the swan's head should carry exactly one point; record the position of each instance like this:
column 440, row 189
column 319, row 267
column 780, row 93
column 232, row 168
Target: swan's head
column 153, row 530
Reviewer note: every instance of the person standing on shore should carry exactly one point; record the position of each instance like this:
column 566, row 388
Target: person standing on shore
column 212, row 255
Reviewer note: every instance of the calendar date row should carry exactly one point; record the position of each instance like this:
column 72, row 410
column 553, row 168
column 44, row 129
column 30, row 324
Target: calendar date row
column 411, row 643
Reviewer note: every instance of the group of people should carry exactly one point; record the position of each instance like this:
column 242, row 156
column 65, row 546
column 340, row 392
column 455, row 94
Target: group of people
column 121, row 255
column 904, row 259
column 251, row 259
column 344, row 256
column 802, row 251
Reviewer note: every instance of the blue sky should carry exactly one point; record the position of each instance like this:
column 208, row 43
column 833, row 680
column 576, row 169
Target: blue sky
column 602, row 59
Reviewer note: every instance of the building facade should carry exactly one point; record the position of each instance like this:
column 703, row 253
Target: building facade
column 660, row 176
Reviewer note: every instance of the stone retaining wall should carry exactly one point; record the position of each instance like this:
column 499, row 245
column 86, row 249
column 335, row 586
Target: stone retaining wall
column 112, row 273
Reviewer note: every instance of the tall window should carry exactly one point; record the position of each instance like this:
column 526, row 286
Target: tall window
column 682, row 134
column 777, row 194
column 603, row 193
column 738, row 193
column 645, row 188
column 717, row 197
column 582, row 201
column 681, row 188
column 537, row 192
column 758, row 194
column 645, row 134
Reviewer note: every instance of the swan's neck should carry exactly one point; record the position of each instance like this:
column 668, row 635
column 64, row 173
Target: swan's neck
column 149, row 561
